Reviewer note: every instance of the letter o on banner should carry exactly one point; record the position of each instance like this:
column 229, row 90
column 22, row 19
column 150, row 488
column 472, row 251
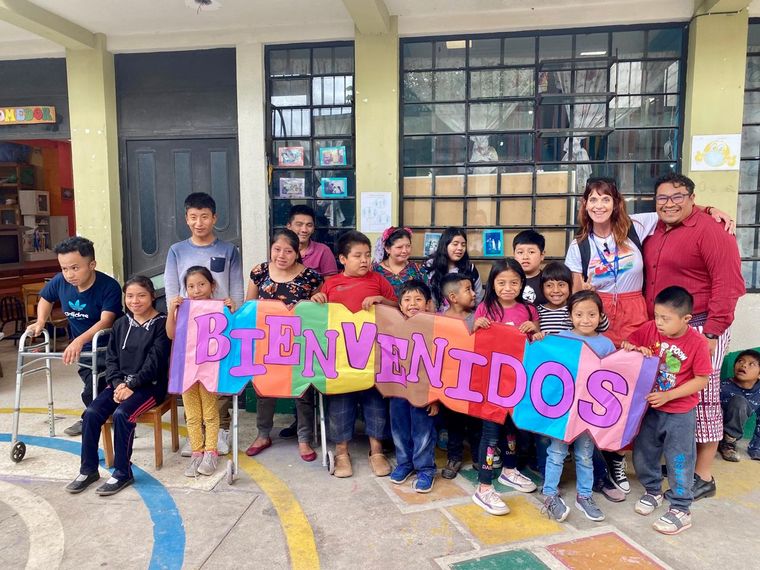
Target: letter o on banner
column 568, row 390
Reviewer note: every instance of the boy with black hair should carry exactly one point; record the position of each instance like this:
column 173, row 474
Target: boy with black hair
column 668, row 427
column 222, row 258
column 358, row 287
column 740, row 398
column 528, row 248
column 91, row 301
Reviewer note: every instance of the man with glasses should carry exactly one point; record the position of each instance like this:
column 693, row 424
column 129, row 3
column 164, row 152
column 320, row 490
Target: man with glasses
column 689, row 249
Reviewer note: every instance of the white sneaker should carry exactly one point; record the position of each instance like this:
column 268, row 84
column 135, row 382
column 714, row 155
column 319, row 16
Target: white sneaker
column 517, row 481
column 223, row 442
column 490, row 502
column 186, row 450
column 192, row 468
column 208, row 465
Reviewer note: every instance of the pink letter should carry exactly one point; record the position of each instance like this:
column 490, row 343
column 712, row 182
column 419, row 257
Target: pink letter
column 247, row 366
column 613, row 409
column 392, row 351
column 420, row 355
column 313, row 350
column 282, row 350
column 210, row 328
column 462, row 390
column 557, row 370
column 521, row 380
column 359, row 348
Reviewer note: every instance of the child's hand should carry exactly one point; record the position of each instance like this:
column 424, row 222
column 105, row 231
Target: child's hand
column 229, row 304
column 319, row 298
column 373, row 300
column 658, row 399
column 176, row 302
column 528, row 327
column 481, row 323
column 433, row 409
column 538, row 336
column 627, row 346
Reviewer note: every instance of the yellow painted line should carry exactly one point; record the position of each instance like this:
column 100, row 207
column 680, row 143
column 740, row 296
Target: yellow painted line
column 298, row 532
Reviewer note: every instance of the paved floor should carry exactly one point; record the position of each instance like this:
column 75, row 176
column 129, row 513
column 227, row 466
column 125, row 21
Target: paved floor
column 284, row 513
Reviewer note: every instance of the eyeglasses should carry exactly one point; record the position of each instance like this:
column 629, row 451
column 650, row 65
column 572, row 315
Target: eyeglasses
column 675, row 198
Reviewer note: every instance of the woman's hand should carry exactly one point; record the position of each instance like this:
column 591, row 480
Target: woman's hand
column 481, row 323
column 720, row 216
column 319, row 298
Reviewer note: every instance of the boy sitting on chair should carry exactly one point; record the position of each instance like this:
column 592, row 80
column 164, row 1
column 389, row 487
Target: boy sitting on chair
column 91, row 301
column 740, row 398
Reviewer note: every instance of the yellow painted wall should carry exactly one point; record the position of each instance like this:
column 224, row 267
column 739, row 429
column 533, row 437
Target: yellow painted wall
column 376, row 113
column 715, row 97
column 94, row 148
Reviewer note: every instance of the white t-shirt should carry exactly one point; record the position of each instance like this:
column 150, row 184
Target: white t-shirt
column 630, row 274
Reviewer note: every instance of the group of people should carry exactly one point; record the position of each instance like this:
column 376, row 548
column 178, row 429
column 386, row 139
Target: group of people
column 665, row 284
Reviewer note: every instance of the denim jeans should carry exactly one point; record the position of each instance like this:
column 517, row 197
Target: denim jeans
column 341, row 415
column 583, row 451
column 414, row 436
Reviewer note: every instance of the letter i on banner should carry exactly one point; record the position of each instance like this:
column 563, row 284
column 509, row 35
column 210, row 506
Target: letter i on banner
column 240, row 367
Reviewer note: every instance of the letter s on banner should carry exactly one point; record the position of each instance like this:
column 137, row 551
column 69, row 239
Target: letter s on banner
column 613, row 409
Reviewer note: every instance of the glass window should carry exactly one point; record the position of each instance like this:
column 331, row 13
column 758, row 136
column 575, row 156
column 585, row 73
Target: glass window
column 748, row 213
column 504, row 130
column 311, row 134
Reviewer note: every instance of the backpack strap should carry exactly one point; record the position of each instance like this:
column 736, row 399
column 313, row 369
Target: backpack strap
column 585, row 249
column 634, row 237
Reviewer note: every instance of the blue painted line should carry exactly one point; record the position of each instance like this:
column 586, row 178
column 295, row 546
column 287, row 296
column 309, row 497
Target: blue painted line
column 168, row 528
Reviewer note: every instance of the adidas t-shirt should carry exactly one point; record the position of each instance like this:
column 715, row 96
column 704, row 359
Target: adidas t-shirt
column 83, row 309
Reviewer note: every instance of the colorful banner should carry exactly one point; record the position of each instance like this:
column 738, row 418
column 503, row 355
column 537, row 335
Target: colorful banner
column 557, row 386
column 27, row 115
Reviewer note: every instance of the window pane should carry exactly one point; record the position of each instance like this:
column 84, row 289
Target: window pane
column 417, row 182
column 642, row 111
column 750, row 142
column 333, row 121
column 591, row 45
column 449, row 85
column 291, row 153
column 418, row 86
column 664, row 43
column 555, row 47
column 450, row 53
column 289, row 62
column 753, row 39
column 448, row 212
column 290, row 92
column 748, row 240
column 747, row 211
column 449, row 182
column 334, row 152
column 628, row 45
column 501, row 148
column 220, row 182
column 146, row 190
column 748, row 178
column 518, row 51
column 485, row 52
column 291, row 122
column 418, row 55
column 487, row 84
column 435, row 150
column 332, row 90
column 642, row 145
column 439, row 118
column 661, row 77
column 752, row 76
column 183, row 186
column 418, row 212
column 751, row 107
column 501, row 116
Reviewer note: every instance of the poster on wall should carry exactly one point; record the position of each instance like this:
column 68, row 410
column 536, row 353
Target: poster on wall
column 290, row 156
column 332, row 156
column 430, row 243
column 292, row 188
column 715, row 152
column 334, row 188
column 493, row 243
column 375, row 211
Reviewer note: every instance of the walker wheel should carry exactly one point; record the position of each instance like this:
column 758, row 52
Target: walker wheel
column 18, row 452
column 330, row 462
column 230, row 475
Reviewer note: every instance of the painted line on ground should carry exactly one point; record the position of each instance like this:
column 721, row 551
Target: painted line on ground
column 42, row 523
column 168, row 528
column 299, row 535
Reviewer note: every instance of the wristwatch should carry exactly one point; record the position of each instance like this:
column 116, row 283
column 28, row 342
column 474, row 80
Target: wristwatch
column 129, row 381
column 711, row 336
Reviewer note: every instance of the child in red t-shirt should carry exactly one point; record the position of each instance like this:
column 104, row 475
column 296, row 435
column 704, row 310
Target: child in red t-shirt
column 668, row 425
column 357, row 288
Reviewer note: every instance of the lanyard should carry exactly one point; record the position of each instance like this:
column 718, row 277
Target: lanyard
column 614, row 267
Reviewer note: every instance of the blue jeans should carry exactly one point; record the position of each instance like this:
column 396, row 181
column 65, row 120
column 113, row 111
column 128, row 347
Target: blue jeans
column 414, row 436
column 341, row 415
column 583, row 451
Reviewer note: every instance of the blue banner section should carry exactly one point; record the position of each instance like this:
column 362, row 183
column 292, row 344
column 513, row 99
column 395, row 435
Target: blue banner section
column 229, row 384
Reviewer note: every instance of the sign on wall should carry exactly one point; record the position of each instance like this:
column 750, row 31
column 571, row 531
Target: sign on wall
column 27, row 115
column 557, row 386
column 715, row 152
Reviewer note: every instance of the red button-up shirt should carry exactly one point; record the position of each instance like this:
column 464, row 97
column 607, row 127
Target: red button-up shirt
column 700, row 256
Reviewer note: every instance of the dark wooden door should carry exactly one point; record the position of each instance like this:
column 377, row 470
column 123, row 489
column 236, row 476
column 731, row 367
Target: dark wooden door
column 160, row 175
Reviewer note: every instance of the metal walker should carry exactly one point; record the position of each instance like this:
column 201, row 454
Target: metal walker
column 36, row 358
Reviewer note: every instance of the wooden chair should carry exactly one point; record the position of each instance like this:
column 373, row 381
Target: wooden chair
column 152, row 416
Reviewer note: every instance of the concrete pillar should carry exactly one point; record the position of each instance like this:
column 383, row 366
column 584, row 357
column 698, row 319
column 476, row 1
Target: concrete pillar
column 715, row 97
column 95, row 152
column 377, row 115
column 254, row 192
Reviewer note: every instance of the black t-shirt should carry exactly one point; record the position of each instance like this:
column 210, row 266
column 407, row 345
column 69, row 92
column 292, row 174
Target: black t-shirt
column 533, row 292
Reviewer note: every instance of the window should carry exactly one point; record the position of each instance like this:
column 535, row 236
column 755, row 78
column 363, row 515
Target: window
column 748, row 214
column 310, row 134
column 502, row 131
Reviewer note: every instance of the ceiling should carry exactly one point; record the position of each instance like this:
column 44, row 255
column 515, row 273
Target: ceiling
column 147, row 25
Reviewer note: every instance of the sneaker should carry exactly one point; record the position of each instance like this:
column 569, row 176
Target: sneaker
column 517, row 481
column 555, row 508
column 192, row 468
column 673, row 522
column 618, row 476
column 647, row 504
column 401, row 473
column 208, row 465
column 74, row 429
column 82, row 482
column 609, row 491
column 423, row 483
column 589, row 508
column 186, row 450
column 490, row 502
column 703, row 489
column 223, row 442
column 113, row 486
column 754, row 453
column 452, row 468
column 727, row 448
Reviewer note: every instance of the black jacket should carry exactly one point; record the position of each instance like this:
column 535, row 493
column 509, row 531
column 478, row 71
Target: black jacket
column 138, row 355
